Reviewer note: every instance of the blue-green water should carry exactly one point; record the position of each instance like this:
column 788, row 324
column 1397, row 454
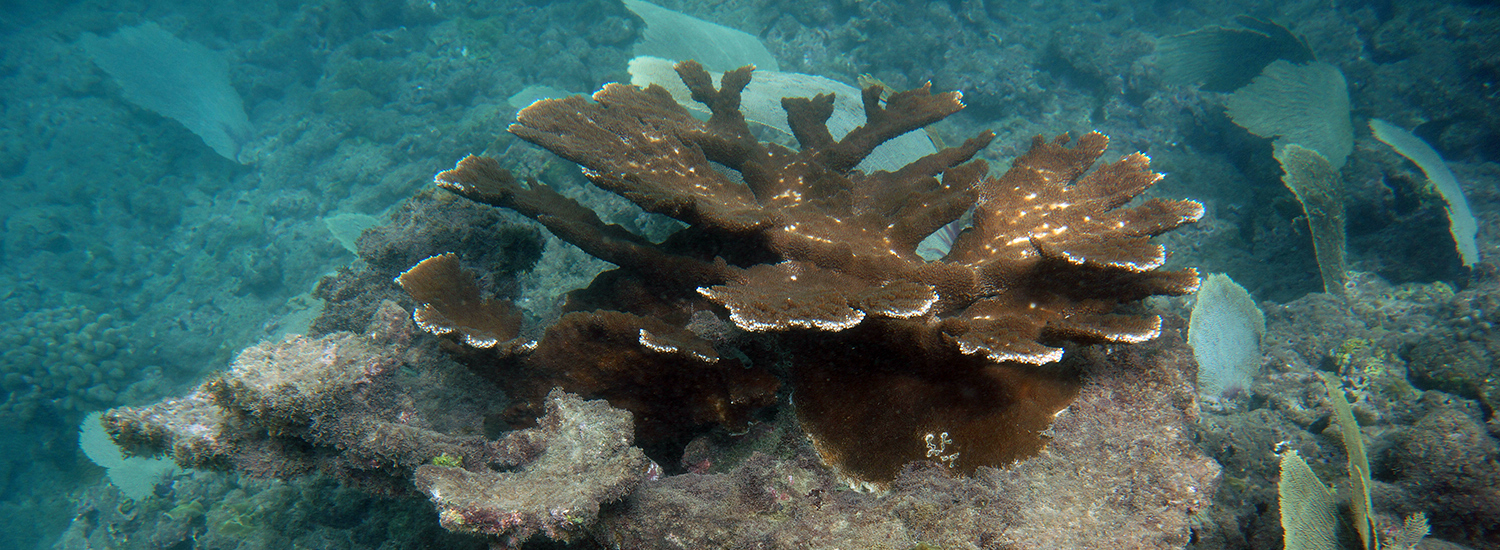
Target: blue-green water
column 173, row 198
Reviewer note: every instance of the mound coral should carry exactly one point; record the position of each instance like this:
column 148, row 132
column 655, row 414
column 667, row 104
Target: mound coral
column 63, row 361
column 893, row 358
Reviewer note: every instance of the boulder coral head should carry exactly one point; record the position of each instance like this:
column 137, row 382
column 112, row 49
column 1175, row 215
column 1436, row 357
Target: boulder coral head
column 892, row 358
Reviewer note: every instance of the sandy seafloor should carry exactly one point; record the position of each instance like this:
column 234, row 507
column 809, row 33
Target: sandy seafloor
column 137, row 261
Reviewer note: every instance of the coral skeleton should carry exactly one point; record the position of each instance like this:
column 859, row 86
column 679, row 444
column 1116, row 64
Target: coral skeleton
column 386, row 417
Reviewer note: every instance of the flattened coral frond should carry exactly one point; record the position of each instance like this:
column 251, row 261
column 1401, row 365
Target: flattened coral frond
column 898, row 299
column 1153, row 217
column 1133, row 254
column 449, row 301
column 1125, row 329
column 1048, row 206
column 789, row 295
column 796, row 295
column 644, row 146
column 481, row 179
column 922, row 203
column 1114, row 184
column 1003, row 332
column 1006, row 346
column 1038, row 199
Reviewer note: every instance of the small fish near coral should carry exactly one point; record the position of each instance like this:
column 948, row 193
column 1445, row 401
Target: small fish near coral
column 890, row 358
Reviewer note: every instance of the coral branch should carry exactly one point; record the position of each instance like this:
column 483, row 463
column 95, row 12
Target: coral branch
column 726, row 122
column 809, row 120
column 902, row 113
column 644, row 146
column 450, row 302
column 482, row 180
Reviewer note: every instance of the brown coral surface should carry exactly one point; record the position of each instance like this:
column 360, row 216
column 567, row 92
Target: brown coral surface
column 825, row 255
column 1124, row 472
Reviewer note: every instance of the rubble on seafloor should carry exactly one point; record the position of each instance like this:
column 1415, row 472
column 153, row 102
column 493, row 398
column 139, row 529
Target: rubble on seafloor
column 584, row 459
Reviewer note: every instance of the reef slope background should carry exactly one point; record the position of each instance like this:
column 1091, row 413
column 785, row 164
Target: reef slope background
column 149, row 261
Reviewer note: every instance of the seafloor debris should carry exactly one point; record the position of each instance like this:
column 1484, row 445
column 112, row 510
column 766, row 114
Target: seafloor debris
column 824, row 255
